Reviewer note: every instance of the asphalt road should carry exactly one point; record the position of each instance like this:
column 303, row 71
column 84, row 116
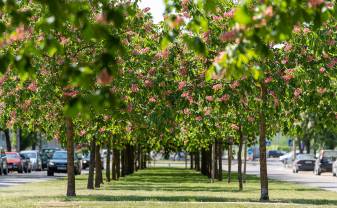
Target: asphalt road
column 14, row 178
column 278, row 172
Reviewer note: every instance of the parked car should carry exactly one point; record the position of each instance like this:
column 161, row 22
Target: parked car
column 304, row 162
column 27, row 164
column 58, row 163
column 334, row 168
column 324, row 161
column 14, row 162
column 3, row 162
column 287, row 158
column 46, row 155
column 35, row 158
column 86, row 161
column 275, row 153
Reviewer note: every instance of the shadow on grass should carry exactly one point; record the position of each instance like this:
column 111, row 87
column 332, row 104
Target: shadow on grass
column 193, row 199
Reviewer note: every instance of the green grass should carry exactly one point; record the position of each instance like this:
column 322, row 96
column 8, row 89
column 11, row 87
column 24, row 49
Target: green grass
column 163, row 187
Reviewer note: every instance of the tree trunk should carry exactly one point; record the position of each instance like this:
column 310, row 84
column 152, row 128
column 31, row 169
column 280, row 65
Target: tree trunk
column 245, row 162
column 262, row 141
column 220, row 152
column 8, row 140
column 108, row 163
column 240, row 160
column 192, row 161
column 229, row 178
column 18, row 139
column 90, row 184
column 300, row 146
column 118, row 165
column 70, row 157
column 185, row 160
column 197, row 161
column 98, row 167
column 307, row 146
column 213, row 163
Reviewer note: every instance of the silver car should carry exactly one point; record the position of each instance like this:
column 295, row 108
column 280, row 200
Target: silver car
column 35, row 158
column 334, row 168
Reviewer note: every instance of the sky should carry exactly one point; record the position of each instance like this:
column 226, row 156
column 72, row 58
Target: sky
column 157, row 8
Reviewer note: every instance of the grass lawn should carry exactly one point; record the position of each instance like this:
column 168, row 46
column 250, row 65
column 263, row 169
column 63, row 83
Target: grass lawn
column 163, row 187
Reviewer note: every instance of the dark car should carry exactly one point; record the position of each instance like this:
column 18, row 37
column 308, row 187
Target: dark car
column 58, row 163
column 3, row 162
column 275, row 153
column 86, row 161
column 46, row 155
column 304, row 162
column 324, row 161
column 14, row 162
column 27, row 164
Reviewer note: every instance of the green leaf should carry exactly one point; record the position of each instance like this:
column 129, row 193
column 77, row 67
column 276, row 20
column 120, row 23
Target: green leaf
column 242, row 16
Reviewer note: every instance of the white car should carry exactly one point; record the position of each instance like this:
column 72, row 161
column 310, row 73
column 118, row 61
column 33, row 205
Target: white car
column 35, row 158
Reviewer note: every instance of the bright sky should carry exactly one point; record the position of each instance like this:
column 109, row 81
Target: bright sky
column 157, row 8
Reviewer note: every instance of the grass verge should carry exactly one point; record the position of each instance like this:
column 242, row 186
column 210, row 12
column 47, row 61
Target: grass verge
column 164, row 187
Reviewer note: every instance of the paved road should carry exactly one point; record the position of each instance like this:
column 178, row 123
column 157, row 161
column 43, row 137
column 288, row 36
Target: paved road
column 13, row 179
column 277, row 171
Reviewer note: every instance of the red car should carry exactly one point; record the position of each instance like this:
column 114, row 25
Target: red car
column 14, row 162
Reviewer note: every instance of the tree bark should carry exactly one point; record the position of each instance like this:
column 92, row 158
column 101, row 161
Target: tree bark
column 262, row 140
column 245, row 161
column 98, row 167
column 213, row 162
column 307, row 146
column 8, row 140
column 108, row 162
column 90, row 184
column 18, row 139
column 229, row 178
column 70, row 157
column 220, row 152
column 240, row 160
column 192, row 161
column 118, row 164
column 197, row 161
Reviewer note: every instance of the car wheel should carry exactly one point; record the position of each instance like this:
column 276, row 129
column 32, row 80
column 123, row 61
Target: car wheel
column 6, row 171
column 20, row 170
column 50, row 173
column 333, row 173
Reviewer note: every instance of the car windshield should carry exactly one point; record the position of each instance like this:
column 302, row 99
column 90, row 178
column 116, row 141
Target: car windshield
column 330, row 154
column 60, row 155
column 12, row 155
column 305, row 157
column 29, row 154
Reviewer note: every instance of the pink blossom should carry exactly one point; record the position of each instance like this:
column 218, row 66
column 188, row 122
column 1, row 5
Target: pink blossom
column 101, row 18
column 134, row 88
column 229, row 14
column 148, row 83
column 129, row 108
column 187, row 111
column 207, row 111
column 315, row 3
column 183, row 71
column 71, row 93
column 209, row 98
column 217, row 87
column 297, row 92
column 322, row 70
column 268, row 80
column 297, row 29
column 152, row 71
column 285, row 60
column 220, row 57
column 152, row 100
column 181, row 85
column 64, row 40
column 32, row 86
column 306, row 30
column 185, row 94
column 101, row 130
column 235, row 127
column 288, row 47
column 269, row 11
column 250, row 119
column 104, row 78
column 82, row 132
column 198, row 118
column 228, row 36
column 224, row 98
column 106, row 117
column 147, row 9
column 3, row 79
column 321, row 90
column 216, row 18
column 235, row 84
